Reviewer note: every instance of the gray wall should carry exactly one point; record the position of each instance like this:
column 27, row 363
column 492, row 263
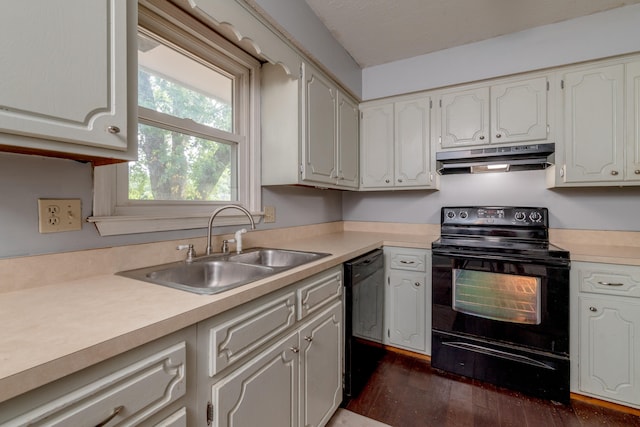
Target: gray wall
column 24, row 179
column 609, row 208
column 600, row 35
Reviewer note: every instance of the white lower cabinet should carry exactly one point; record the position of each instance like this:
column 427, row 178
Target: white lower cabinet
column 272, row 362
column 408, row 299
column 276, row 361
column 146, row 386
column 606, row 323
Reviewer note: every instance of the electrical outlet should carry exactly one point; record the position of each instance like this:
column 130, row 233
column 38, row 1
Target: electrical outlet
column 269, row 214
column 55, row 215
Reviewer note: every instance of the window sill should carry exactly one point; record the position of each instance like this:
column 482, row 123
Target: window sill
column 118, row 225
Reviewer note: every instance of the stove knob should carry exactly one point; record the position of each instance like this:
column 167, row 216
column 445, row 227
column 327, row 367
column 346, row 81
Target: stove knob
column 451, row 214
column 520, row 216
column 463, row 214
column 535, row 216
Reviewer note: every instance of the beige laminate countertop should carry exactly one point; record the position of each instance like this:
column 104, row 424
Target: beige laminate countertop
column 52, row 331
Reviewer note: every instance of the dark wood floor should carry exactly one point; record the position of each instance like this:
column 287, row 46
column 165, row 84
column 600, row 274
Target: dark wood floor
column 405, row 392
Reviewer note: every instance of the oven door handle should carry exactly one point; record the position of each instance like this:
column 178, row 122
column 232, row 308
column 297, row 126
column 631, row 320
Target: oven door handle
column 502, row 258
column 497, row 353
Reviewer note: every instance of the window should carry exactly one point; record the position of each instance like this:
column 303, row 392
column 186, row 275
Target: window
column 197, row 148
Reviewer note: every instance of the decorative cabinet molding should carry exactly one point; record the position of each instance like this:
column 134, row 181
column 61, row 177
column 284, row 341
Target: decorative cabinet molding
column 396, row 145
column 241, row 24
column 283, row 350
column 143, row 386
column 605, row 331
column 309, row 131
column 510, row 112
column 79, row 62
column 600, row 143
column 464, row 118
column 408, row 298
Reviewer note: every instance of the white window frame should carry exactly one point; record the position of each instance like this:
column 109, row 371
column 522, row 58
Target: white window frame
column 113, row 214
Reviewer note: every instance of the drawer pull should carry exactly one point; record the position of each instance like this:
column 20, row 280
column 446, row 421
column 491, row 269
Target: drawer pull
column 610, row 284
column 593, row 309
column 114, row 414
column 406, row 262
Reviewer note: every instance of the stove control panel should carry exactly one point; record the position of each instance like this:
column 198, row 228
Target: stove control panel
column 505, row 216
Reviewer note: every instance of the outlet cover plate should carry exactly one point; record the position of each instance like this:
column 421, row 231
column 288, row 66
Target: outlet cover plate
column 56, row 215
column 269, row 214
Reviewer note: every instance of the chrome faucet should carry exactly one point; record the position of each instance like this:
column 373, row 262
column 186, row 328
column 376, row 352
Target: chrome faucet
column 217, row 211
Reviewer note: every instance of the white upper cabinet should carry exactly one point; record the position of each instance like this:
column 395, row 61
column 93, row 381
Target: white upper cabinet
column 377, row 133
column 66, row 69
column 396, row 145
column 519, row 111
column 309, row 130
column 509, row 112
column 632, row 170
column 464, row 118
column 594, row 124
column 348, row 136
column 412, row 143
column 320, row 125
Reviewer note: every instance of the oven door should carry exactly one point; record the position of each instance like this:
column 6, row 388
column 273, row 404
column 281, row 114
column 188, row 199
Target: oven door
column 513, row 300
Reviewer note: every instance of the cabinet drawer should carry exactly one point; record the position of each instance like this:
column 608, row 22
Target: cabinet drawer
column 611, row 279
column 407, row 259
column 238, row 336
column 316, row 292
column 127, row 396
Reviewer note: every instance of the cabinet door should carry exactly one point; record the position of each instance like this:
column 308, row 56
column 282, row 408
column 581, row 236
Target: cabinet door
column 412, row 143
column 348, row 142
column 320, row 129
column 262, row 392
column 632, row 172
column 321, row 354
column 610, row 348
column 64, row 73
column 406, row 308
column 464, row 118
column 376, row 131
column 593, row 124
column 519, row 111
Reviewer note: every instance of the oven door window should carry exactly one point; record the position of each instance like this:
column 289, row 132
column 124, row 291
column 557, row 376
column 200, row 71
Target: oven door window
column 504, row 297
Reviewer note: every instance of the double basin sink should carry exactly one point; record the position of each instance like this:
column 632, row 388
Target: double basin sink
column 217, row 273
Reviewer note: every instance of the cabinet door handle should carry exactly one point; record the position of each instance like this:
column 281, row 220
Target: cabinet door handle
column 113, row 129
column 308, row 339
column 386, row 181
column 637, row 171
column 417, row 284
column 610, row 284
column 114, row 414
column 481, row 137
column 295, row 349
column 614, row 173
column 593, row 309
column 498, row 135
column 399, row 180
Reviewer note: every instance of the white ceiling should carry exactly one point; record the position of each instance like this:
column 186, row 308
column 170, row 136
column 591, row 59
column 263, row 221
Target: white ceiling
column 379, row 31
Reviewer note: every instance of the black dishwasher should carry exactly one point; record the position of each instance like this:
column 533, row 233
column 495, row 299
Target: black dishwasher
column 364, row 308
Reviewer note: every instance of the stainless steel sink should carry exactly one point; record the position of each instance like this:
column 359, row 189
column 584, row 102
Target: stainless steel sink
column 276, row 257
column 217, row 273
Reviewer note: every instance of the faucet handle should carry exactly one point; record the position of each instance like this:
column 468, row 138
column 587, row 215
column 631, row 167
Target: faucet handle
column 191, row 252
